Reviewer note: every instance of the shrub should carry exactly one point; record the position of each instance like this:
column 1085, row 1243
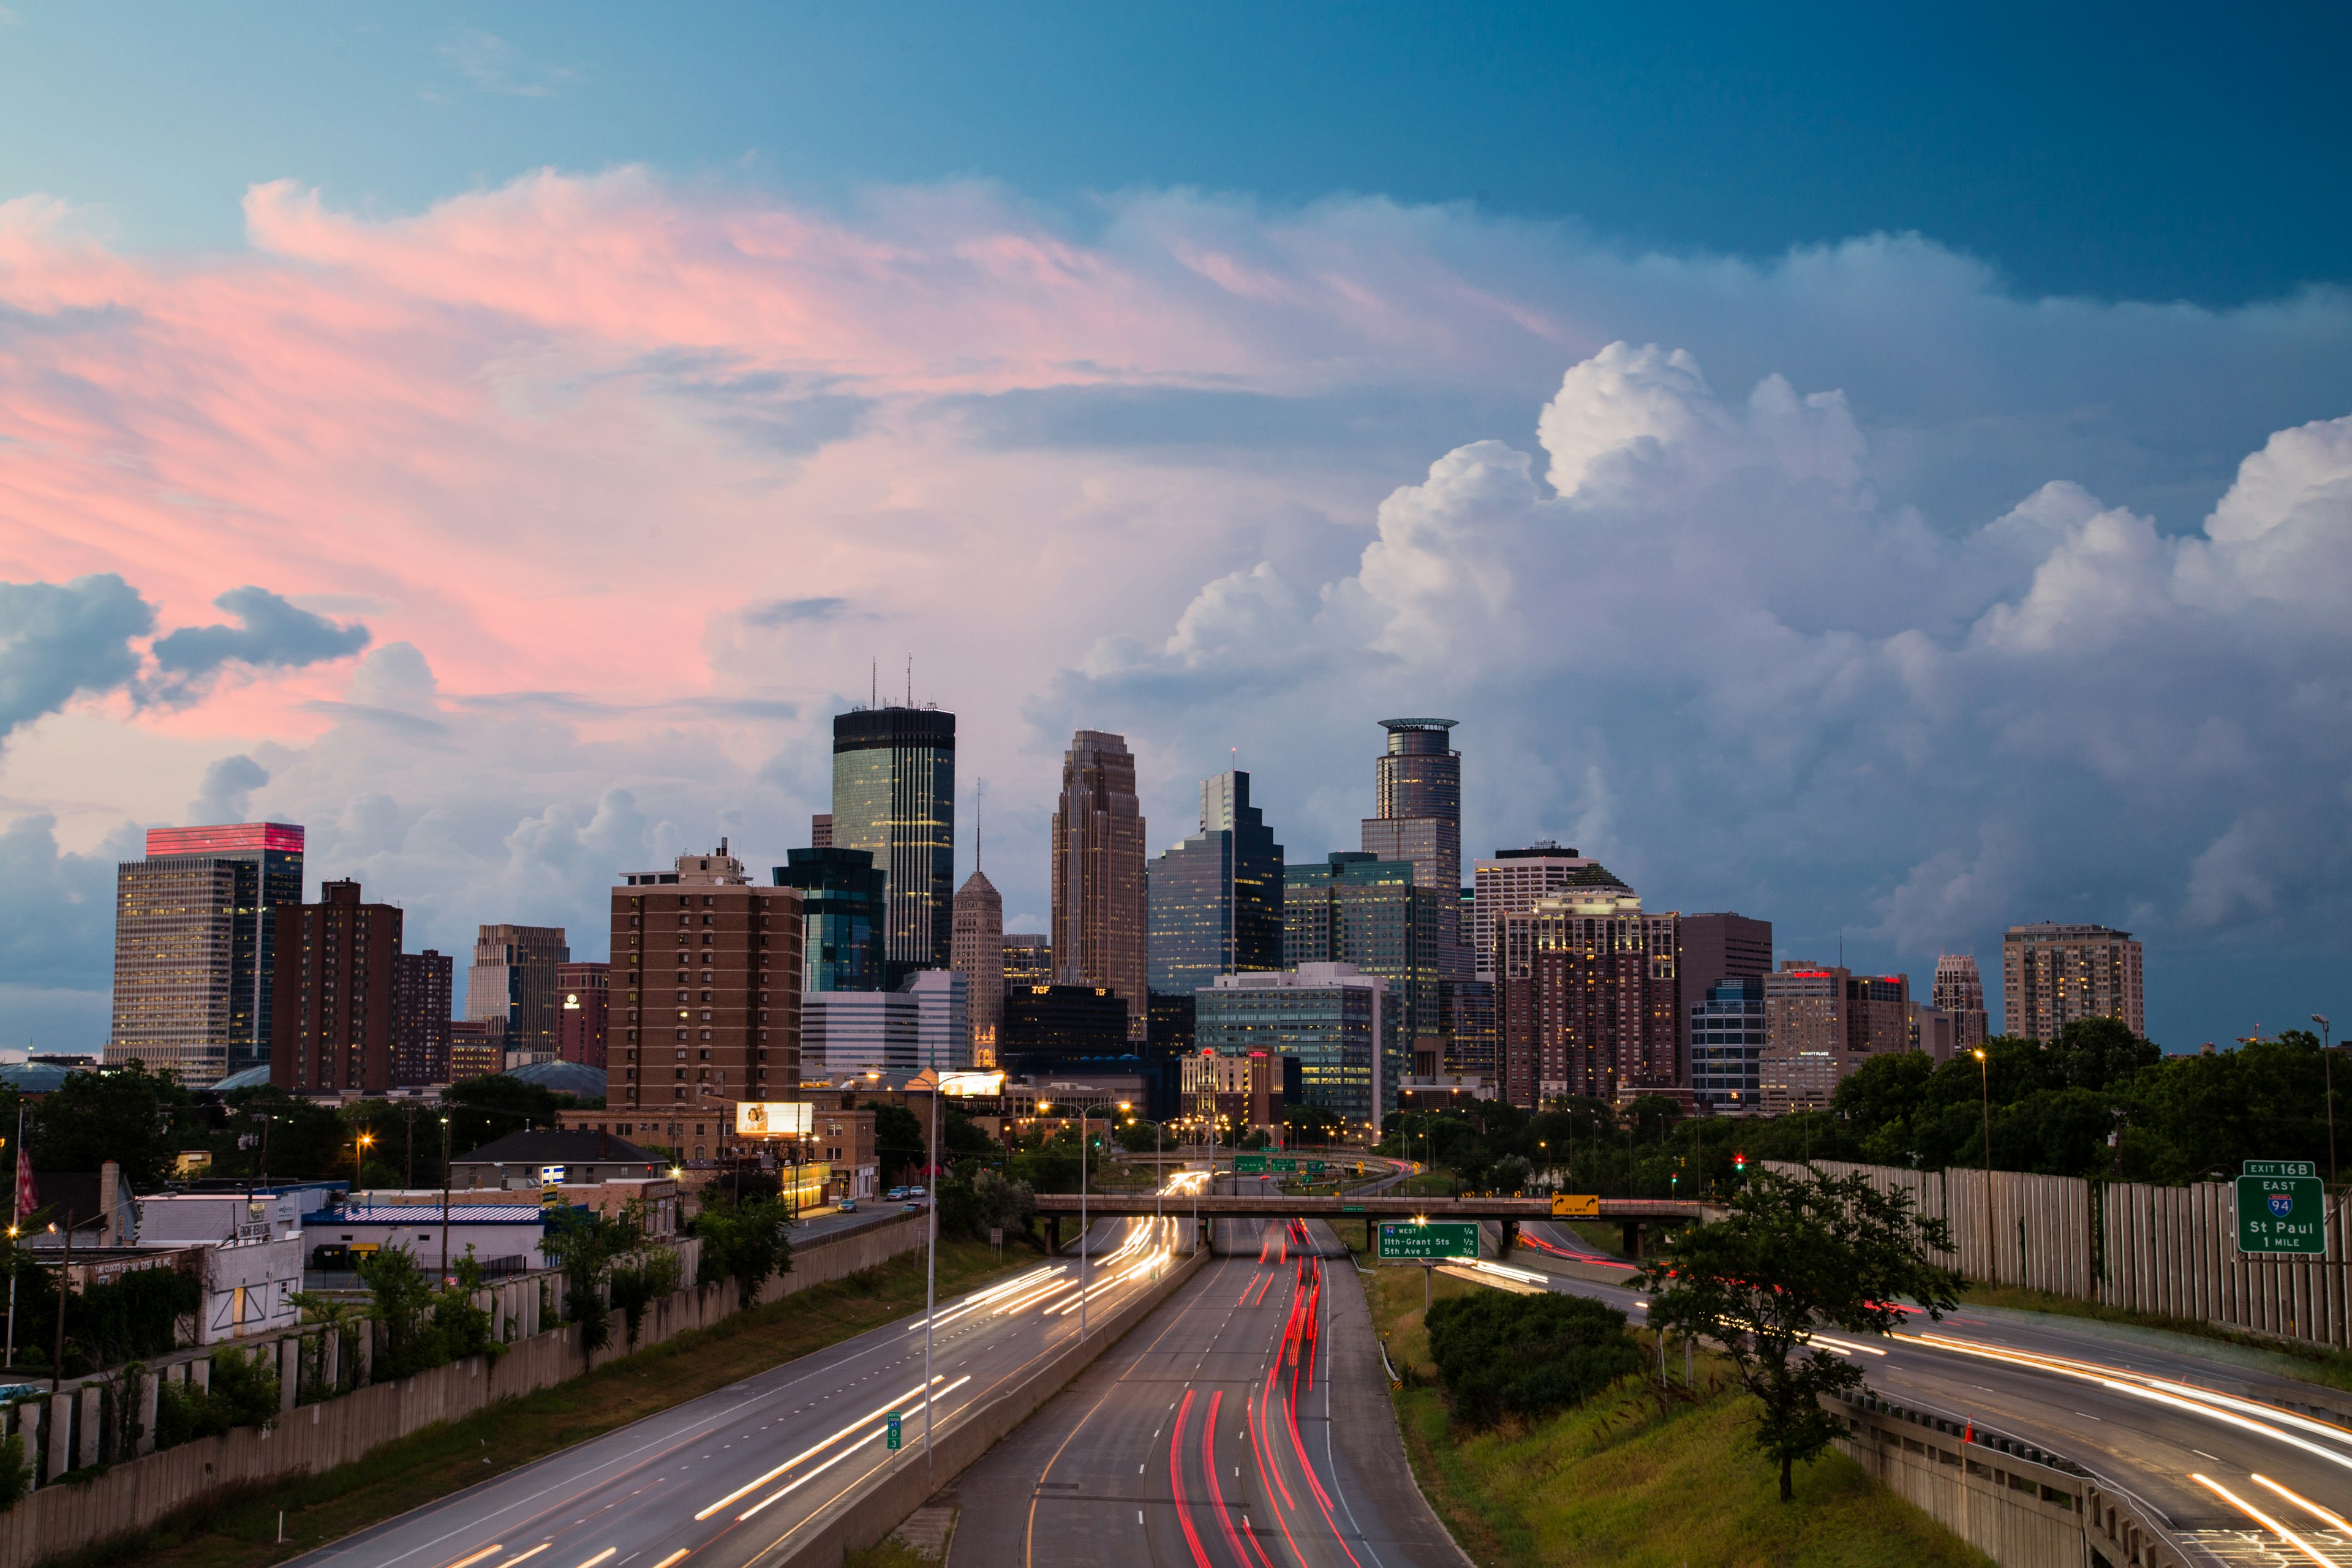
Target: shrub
column 16, row 1475
column 1526, row 1355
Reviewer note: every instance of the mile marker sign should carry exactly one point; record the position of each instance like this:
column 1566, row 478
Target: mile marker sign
column 2282, row 1207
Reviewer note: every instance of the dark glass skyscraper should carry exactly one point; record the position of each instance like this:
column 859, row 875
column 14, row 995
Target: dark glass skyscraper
column 1417, row 791
column 843, row 907
column 1351, row 908
column 1217, row 900
column 894, row 797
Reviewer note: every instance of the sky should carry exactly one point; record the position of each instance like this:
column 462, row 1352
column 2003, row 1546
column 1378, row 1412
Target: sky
column 1887, row 476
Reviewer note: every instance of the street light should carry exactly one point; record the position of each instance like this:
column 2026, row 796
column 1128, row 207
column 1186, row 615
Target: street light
column 1984, row 1088
column 2327, row 1068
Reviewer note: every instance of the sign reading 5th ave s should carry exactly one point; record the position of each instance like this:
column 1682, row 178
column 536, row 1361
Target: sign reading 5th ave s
column 1404, row 1242
column 2281, row 1208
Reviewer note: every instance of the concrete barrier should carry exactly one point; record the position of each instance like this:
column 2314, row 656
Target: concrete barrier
column 134, row 1495
column 2019, row 1504
column 865, row 1514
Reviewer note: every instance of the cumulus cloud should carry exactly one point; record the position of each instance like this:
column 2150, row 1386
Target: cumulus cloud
column 63, row 640
column 1869, row 596
column 270, row 633
column 228, row 784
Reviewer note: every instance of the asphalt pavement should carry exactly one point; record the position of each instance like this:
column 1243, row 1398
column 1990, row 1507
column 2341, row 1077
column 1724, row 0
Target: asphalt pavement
column 718, row 1481
column 1246, row 1423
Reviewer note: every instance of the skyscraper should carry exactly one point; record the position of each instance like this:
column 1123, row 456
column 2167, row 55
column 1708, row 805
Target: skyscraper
column 978, row 954
column 1959, row 991
column 583, row 1011
column 1349, row 908
column 420, row 1023
column 894, row 797
column 337, row 962
column 1216, row 898
column 1098, row 919
column 1028, row 959
column 1821, row 1022
column 844, row 907
column 513, row 978
column 2052, row 975
column 1512, row 881
column 1717, row 947
column 1589, row 987
column 194, row 947
column 1417, row 790
column 706, row 975
column 1336, row 1020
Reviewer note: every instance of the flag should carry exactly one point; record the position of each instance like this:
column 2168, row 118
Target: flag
column 29, row 1196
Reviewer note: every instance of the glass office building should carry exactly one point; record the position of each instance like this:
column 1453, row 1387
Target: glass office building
column 1216, row 901
column 894, row 797
column 1336, row 1020
column 842, row 911
column 1350, row 907
column 1727, row 1032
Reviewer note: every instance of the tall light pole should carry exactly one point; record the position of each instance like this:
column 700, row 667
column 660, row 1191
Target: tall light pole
column 1082, row 1222
column 1984, row 1088
column 931, row 1263
column 2328, row 1068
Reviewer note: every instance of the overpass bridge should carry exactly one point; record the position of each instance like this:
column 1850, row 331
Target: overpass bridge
column 1635, row 1214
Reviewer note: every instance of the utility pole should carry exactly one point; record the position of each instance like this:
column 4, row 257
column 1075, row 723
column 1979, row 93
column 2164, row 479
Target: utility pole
column 16, row 1224
column 444, row 1199
column 65, row 1269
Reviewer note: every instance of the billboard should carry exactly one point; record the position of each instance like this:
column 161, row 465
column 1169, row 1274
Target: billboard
column 984, row 1084
column 773, row 1118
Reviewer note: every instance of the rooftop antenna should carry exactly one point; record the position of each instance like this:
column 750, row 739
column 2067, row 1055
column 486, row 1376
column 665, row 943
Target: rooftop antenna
column 910, row 680
column 874, row 683
column 979, row 793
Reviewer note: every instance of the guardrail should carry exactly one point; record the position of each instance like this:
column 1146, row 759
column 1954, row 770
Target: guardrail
column 2015, row 1501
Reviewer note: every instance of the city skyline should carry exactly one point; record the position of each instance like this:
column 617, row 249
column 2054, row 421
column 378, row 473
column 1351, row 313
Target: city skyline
column 513, row 489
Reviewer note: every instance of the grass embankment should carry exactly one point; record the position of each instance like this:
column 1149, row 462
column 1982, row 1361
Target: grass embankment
column 2312, row 1363
column 1630, row 1481
column 239, row 1531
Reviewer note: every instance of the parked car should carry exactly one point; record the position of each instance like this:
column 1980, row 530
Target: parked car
column 847, row 1205
column 895, row 1192
column 914, row 1191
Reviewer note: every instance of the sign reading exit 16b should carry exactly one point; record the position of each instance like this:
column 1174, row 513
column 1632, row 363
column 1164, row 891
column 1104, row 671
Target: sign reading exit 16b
column 2282, row 1207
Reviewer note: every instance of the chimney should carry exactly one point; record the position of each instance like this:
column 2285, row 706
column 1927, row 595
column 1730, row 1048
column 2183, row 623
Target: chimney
column 110, row 1196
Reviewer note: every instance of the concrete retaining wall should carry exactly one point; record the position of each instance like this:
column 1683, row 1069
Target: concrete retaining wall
column 2021, row 1510
column 133, row 1495
column 867, row 1514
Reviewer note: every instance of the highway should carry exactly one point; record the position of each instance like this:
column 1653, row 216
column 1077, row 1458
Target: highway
column 714, row 1482
column 1246, row 1423
column 2212, row 1446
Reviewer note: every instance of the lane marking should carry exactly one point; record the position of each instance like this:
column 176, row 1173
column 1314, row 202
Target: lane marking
column 750, row 1487
column 608, row 1552
column 490, row 1550
column 2334, row 1519
column 2265, row 1521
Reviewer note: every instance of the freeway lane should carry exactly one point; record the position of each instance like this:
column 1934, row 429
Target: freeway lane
column 1246, row 1423
column 718, row 1481
column 2148, row 1418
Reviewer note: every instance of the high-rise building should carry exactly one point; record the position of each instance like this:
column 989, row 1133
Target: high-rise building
column 894, row 797
column 420, row 994
column 1048, row 1023
column 977, row 952
column 1589, row 992
column 1934, row 1030
column 477, row 1048
column 821, row 830
column 1959, row 991
column 1216, row 898
column 843, row 914
column 1339, row 1021
column 1028, row 961
column 584, row 998
column 2052, row 975
column 337, row 963
column 513, row 978
column 1473, row 1038
column 707, row 976
column 1098, row 919
column 1512, row 881
column 1349, row 908
column 195, row 930
column 1729, row 1033
column 1417, row 799
column 1722, row 946
column 1821, row 1022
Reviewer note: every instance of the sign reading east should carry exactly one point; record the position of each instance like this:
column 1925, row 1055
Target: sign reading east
column 2282, row 1207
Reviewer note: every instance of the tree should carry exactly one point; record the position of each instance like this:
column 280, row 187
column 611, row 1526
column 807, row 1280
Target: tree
column 1797, row 1255
column 482, row 1108
column 1526, row 1355
column 645, row 1272
column 1311, row 1123
column 586, row 1245
column 125, row 1114
column 744, row 1242
column 898, row 1141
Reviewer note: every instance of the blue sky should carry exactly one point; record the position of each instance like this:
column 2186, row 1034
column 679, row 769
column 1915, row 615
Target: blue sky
column 2143, row 152
column 1888, row 474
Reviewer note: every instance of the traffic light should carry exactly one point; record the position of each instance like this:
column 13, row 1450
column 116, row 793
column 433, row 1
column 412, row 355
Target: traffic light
column 1740, row 1165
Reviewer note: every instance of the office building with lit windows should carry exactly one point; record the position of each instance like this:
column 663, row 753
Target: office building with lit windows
column 894, row 797
column 1417, row 802
column 1215, row 899
column 843, row 914
column 1590, row 989
column 583, row 1011
column 2052, row 975
column 196, row 927
column 1334, row 1019
column 1350, row 907
column 1098, row 904
column 337, row 962
column 1959, row 991
column 1728, row 1035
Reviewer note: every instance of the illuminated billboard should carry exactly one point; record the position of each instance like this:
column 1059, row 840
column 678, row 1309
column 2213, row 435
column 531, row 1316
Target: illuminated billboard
column 984, row 1084
column 773, row 1119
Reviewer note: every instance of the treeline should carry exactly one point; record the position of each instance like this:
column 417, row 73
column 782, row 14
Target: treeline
column 2051, row 1108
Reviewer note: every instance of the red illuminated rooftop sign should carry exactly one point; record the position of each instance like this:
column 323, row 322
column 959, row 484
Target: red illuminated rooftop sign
column 229, row 838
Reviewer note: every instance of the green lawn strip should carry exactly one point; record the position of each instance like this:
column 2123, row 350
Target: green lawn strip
column 2311, row 1364
column 891, row 1552
column 1628, row 1482
column 238, row 1528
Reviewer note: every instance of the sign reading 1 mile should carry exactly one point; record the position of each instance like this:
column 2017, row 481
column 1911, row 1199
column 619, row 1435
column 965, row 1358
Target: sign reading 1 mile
column 2281, row 1209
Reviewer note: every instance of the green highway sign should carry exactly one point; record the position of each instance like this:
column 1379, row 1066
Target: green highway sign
column 1314, row 1167
column 2282, row 1207
column 1352, row 1208
column 1285, row 1165
column 1405, row 1242
column 891, row 1441
column 1246, row 1164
